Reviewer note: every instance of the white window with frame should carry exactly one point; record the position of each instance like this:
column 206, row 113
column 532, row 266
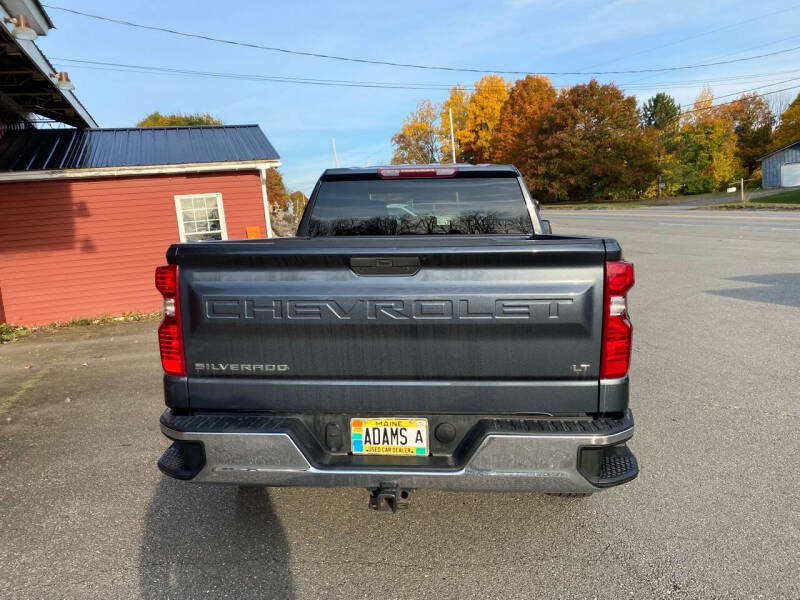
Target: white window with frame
column 201, row 217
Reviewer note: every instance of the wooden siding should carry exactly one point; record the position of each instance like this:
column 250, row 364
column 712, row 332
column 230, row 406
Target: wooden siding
column 85, row 248
column 771, row 165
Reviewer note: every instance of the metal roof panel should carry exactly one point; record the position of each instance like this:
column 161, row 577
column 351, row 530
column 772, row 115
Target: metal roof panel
column 48, row 149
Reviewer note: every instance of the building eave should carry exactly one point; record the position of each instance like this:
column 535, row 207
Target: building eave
column 37, row 17
column 794, row 143
column 31, row 51
column 176, row 169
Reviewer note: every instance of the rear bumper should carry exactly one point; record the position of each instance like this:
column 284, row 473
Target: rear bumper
column 514, row 455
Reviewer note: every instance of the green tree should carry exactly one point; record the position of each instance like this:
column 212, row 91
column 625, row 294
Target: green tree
column 417, row 142
column 527, row 101
column 156, row 119
column 661, row 112
column 662, row 116
column 457, row 101
column 590, row 146
column 789, row 129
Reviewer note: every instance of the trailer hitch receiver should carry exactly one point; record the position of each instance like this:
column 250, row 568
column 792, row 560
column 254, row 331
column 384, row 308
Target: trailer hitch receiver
column 388, row 498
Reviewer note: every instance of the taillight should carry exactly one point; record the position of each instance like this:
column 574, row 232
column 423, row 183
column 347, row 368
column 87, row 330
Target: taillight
column 401, row 172
column 617, row 328
column 170, row 336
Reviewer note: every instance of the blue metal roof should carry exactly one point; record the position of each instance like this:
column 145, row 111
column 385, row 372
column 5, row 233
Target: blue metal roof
column 46, row 149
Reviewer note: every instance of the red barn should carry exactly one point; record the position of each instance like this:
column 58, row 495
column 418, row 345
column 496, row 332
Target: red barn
column 87, row 214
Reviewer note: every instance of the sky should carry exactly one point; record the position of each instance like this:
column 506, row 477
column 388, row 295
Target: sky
column 513, row 35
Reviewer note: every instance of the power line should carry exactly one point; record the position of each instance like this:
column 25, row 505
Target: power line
column 146, row 69
column 407, row 65
column 682, row 114
column 128, row 68
column 713, row 106
column 699, row 35
column 705, row 81
column 726, row 55
column 756, row 89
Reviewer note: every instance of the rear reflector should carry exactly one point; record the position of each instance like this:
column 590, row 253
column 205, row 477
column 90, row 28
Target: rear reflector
column 169, row 343
column 617, row 328
column 417, row 172
column 170, row 336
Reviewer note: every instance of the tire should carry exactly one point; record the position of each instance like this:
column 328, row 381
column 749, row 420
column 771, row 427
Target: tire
column 572, row 495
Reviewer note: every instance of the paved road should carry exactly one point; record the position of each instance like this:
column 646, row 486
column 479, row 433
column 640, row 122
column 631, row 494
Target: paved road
column 715, row 512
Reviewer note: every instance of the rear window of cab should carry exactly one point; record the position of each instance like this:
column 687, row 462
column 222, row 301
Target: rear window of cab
column 426, row 206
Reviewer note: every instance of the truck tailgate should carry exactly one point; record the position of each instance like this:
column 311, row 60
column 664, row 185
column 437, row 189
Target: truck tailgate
column 462, row 325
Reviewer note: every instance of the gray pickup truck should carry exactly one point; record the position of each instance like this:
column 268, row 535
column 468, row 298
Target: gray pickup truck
column 423, row 329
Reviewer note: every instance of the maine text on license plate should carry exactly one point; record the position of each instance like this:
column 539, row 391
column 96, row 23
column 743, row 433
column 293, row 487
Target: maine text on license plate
column 389, row 436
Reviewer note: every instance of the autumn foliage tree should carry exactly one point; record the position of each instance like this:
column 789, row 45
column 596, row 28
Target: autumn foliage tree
column 457, row 102
column 789, row 129
column 528, row 100
column 589, row 146
column 417, row 142
column 751, row 119
column 298, row 200
column 156, row 119
column 706, row 149
column 590, row 142
column 276, row 190
column 483, row 115
column 703, row 109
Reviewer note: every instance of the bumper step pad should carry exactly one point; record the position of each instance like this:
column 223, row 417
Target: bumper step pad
column 618, row 467
column 182, row 460
column 609, row 465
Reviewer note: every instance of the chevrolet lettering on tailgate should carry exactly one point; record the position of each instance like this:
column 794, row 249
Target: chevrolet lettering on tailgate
column 386, row 309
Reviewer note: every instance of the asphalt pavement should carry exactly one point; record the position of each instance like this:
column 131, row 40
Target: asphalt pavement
column 715, row 512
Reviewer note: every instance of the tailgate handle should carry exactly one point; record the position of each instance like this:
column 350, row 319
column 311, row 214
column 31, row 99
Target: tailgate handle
column 385, row 265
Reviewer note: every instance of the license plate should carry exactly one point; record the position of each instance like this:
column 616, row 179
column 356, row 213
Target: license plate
column 407, row 437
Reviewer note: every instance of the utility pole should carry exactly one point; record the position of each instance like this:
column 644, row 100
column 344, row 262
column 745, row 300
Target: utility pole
column 452, row 136
column 741, row 186
column 335, row 158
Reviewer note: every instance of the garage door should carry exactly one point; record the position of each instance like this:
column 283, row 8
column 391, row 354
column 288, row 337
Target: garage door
column 790, row 175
